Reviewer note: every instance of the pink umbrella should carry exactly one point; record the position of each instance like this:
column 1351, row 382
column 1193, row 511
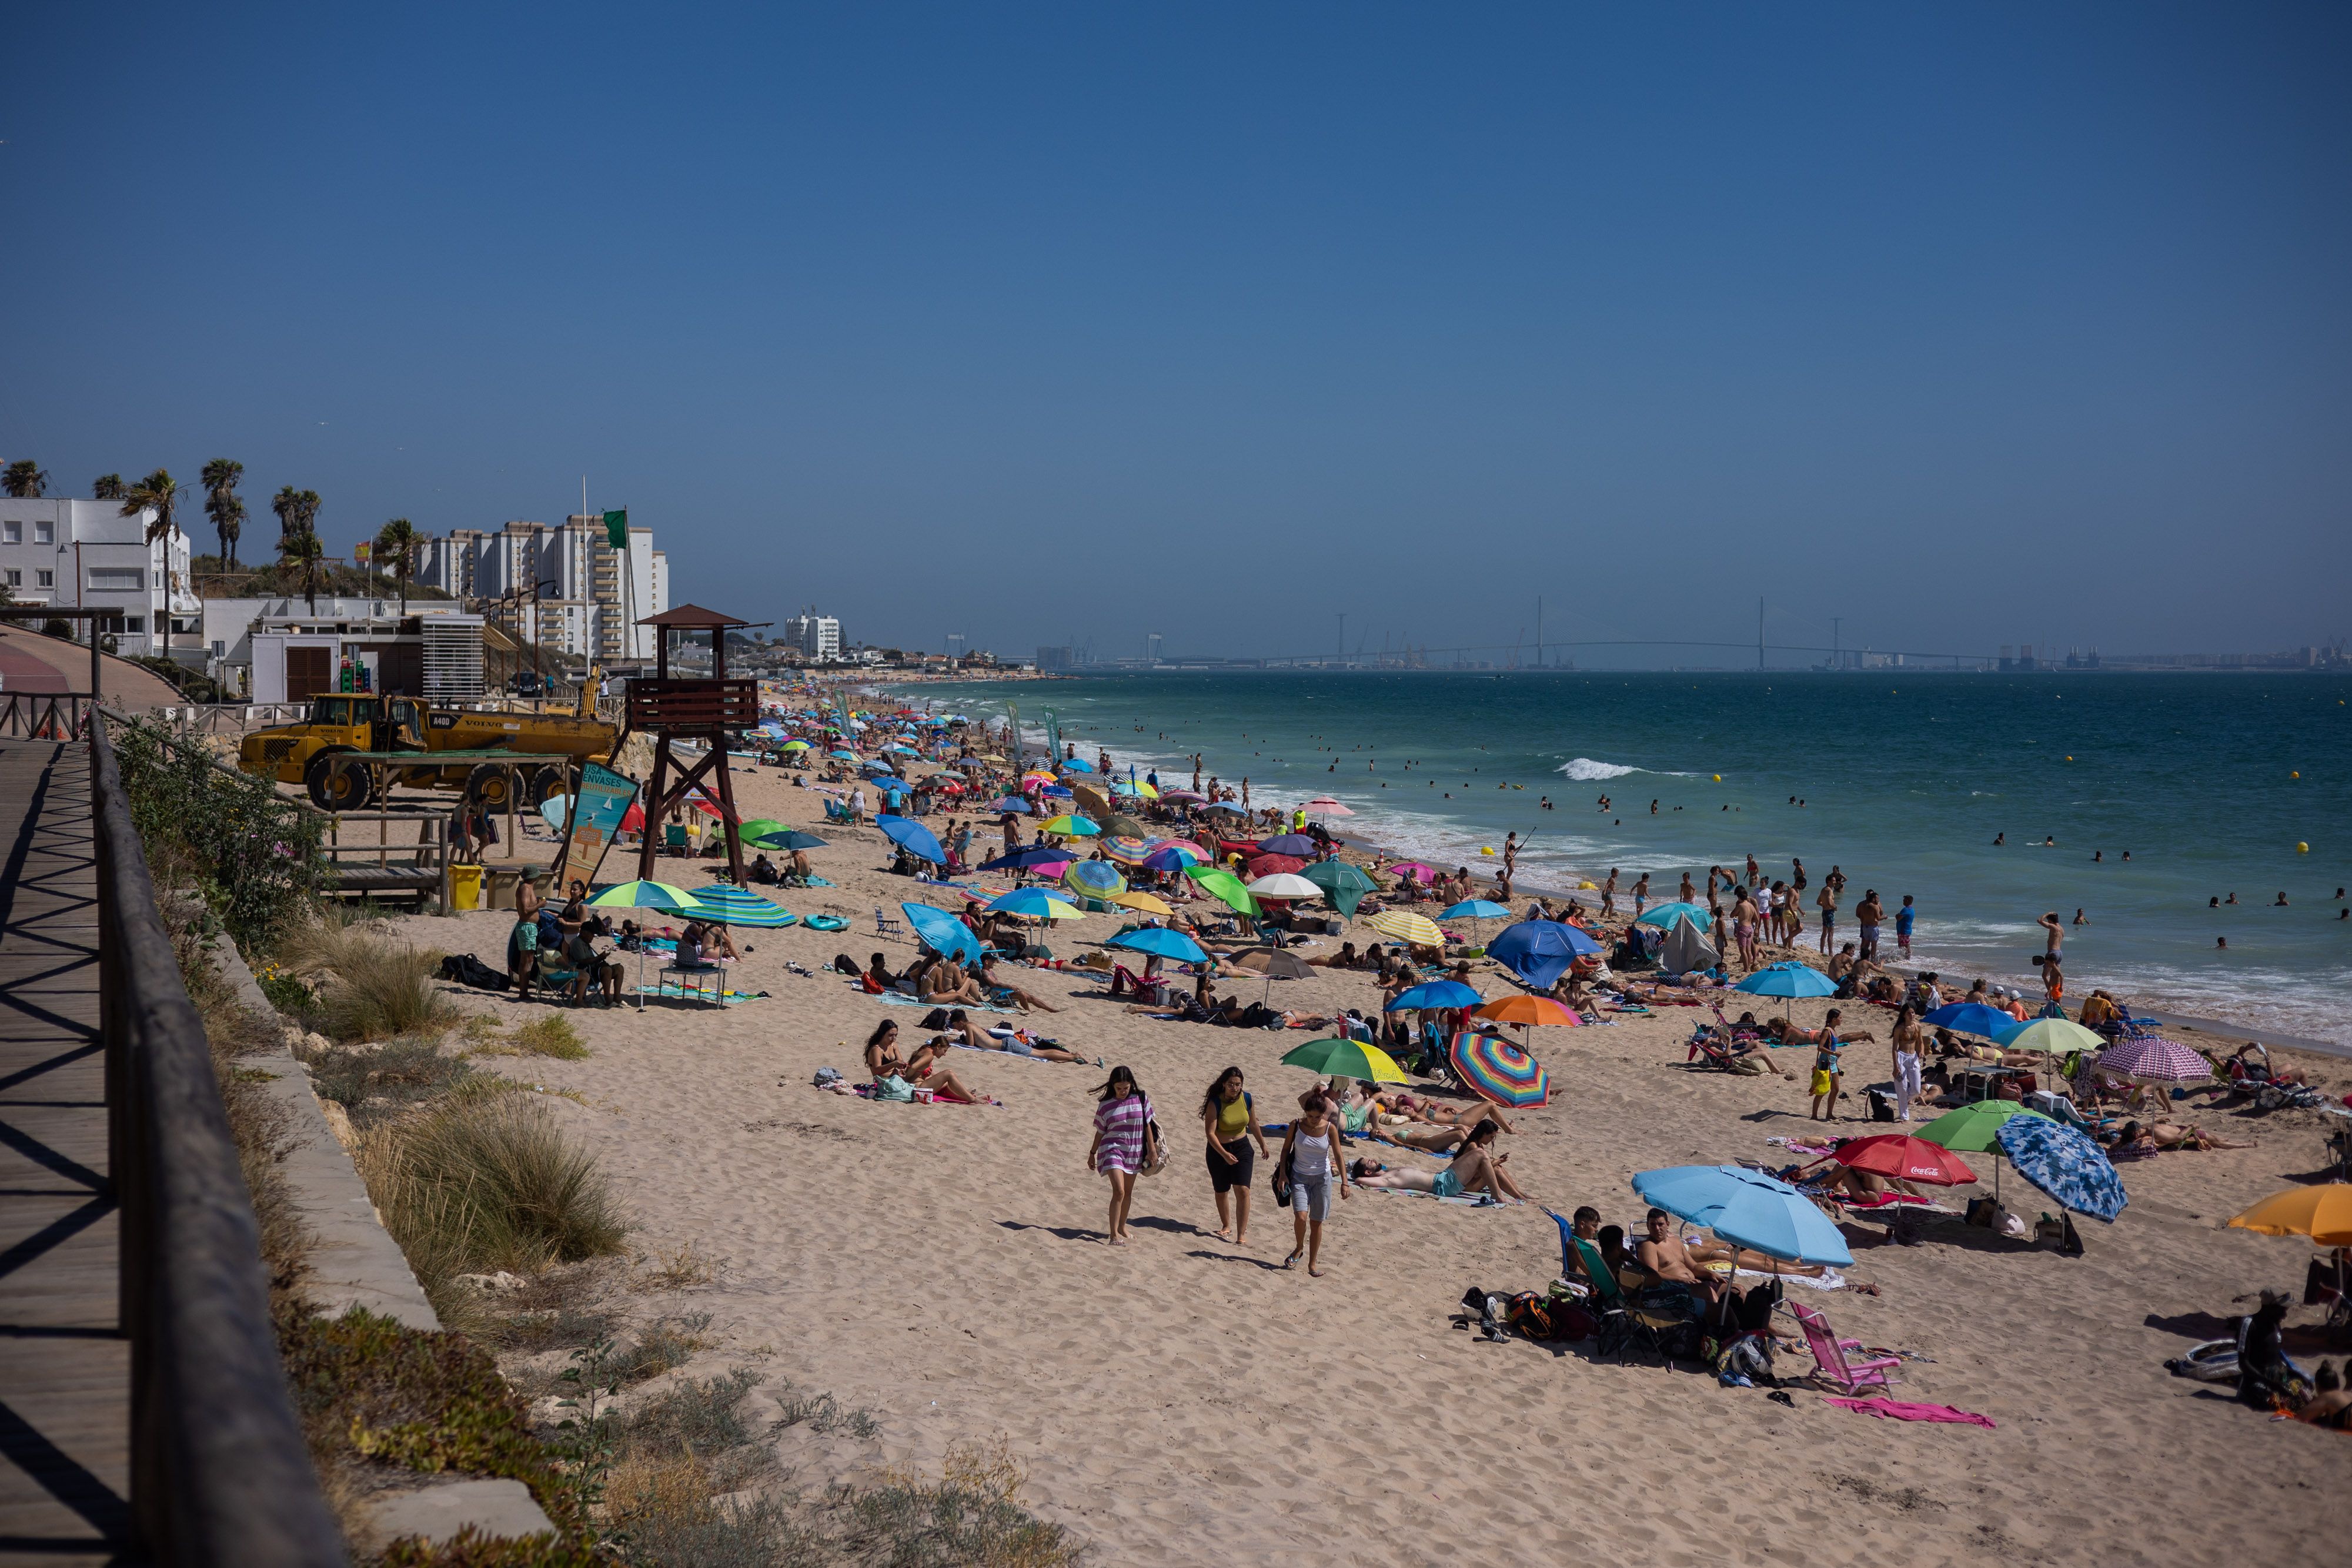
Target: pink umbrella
column 1324, row 806
column 2152, row 1058
column 1414, row 870
column 1184, row 797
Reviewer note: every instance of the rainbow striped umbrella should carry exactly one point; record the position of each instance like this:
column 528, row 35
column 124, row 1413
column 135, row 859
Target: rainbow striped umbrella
column 1069, row 826
column 740, row 907
column 1494, row 1069
column 1129, row 851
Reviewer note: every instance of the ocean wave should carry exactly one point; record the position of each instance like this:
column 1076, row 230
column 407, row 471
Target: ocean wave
column 1585, row 770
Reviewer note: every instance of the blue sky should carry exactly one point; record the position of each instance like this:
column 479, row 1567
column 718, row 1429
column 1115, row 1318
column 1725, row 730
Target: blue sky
column 1968, row 324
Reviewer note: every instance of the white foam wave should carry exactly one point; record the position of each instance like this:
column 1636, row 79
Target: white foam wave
column 1585, row 770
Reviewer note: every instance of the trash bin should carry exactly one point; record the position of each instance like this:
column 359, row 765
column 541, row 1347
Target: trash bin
column 464, row 886
column 502, row 886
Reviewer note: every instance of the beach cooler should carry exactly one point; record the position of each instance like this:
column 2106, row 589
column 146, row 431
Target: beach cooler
column 464, row 886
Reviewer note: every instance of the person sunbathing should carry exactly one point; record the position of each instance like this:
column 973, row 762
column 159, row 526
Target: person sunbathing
column 2155, row 1136
column 2330, row 1403
column 942, row 982
column 1665, row 1259
column 1463, row 1117
column 883, row 1060
column 1025, row 998
column 961, row 1031
column 1475, row 1170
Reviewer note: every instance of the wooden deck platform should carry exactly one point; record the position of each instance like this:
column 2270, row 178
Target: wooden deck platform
column 64, row 1367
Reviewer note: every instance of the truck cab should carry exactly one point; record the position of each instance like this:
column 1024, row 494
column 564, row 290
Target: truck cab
column 339, row 722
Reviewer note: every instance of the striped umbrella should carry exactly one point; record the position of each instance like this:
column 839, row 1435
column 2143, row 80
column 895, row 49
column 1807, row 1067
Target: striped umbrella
column 1069, row 827
column 740, row 907
column 1346, row 1059
column 2151, row 1059
column 1403, row 925
column 1129, row 851
column 1324, row 806
column 1174, row 855
column 1035, row 903
column 1494, row 1069
column 1097, row 879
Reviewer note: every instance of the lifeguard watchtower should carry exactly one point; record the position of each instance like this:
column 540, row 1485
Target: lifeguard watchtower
column 712, row 710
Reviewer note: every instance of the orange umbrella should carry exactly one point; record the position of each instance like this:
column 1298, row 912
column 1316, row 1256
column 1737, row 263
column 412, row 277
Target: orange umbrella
column 1527, row 1009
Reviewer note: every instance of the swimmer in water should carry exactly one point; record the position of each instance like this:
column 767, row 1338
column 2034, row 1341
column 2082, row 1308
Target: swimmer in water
column 1999, row 839
column 2081, row 918
column 2282, row 902
column 2221, row 941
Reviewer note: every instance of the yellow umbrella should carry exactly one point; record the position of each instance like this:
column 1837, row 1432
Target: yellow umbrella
column 2323, row 1213
column 1406, row 927
column 1143, row 901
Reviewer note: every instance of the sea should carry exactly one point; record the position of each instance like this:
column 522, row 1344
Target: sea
column 2216, row 786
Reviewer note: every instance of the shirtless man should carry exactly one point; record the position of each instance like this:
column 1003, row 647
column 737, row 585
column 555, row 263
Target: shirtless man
column 1609, row 895
column 1666, row 1260
column 1910, row 1047
column 1872, row 915
column 2056, row 929
column 1827, row 903
column 1641, row 894
column 1744, row 918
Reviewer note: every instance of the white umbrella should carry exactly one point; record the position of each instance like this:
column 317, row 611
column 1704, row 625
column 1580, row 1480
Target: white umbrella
column 1286, row 885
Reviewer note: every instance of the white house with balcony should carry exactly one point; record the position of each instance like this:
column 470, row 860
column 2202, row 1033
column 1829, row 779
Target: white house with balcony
column 87, row 553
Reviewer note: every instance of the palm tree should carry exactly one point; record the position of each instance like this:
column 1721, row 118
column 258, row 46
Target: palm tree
column 287, row 505
column 158, row 493
column 397, row 542
column 24, row 479
column 108, row 487
column 305, row 550
column 223, row 506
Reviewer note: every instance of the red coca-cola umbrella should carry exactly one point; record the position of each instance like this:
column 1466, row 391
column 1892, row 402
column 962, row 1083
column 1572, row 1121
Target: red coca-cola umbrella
column 1900, row 1157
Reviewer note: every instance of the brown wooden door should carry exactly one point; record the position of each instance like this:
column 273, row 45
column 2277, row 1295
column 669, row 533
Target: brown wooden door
column 309, row 672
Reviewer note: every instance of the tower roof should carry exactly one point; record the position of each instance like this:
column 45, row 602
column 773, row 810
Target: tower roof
column 694, row 617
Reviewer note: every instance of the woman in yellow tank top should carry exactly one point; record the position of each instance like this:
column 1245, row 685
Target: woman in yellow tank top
column 1229, row 1121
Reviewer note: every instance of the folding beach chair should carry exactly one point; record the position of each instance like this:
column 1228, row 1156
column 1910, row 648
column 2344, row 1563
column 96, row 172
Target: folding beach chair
column 886, row 927
column 1830, row 1362
column 1623, row 1323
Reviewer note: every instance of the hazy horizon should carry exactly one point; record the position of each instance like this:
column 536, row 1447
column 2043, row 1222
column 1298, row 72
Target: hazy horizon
column 1045, row 324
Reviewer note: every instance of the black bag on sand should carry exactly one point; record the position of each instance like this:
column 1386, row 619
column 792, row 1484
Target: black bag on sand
column 466, row 969
column 1882, row 1104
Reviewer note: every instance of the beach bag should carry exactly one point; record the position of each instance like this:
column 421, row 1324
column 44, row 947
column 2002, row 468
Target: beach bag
column 1279, row 1180
column 1155, row 1148
column 894, row 1088
column 1881, row 1105
column 465, row 970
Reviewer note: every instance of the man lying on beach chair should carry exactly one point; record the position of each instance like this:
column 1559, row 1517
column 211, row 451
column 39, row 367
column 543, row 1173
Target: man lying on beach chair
column 1746, row 1055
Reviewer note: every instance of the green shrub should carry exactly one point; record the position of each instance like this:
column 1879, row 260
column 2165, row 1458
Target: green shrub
column 470, row 1549
column 552, row 1035
column 257, row 856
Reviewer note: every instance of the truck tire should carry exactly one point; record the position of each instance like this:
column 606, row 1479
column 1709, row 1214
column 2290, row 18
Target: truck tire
column 544, row 785
column 338, row 788
column 491, row 786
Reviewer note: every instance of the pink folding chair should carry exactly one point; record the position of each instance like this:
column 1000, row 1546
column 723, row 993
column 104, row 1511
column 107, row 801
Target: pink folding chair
column 1830, row 1365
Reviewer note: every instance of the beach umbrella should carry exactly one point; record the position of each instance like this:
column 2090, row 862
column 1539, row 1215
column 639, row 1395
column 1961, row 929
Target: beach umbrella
column 1069, row 827
column 1129, row 851
column 1224, row 887
column 794, row 746
column 1540, row 951
column 1974, row 1128
column 665, row 897
column 1097, row 879
column 942, row 932
column 1663, row 916
column 1010, row 806
column 1405, row 925
column 913, row 837
column 1035, row 903
column 2322, row 1213
column 1474, row 909
column 1268, row 865
column 1968, row 1017
column 1158, row 941
column 1413, row 871
column 1122, row 789
column 2153, row 1060
column 2055, row 1036
column 1526, row 1010
column 1147, row 791
column 1324, row 806
column 1346, row 1059
column 876, row 765
column 1125, row 826
column 1747, row 1208
column 740, row 907
column 1184, row 797
column 1225, row 808
column 1035, row 776
column 1142, row 902
column 1054, row 791
column 1030, row 857
column 2065, row 1164
column 1174, row 855
column 1434, row 995
column 1284, row 884
column 844, row 755
column 760, row 827
column 1298, row 845
column 1789, row 980
column 1077, row 764
column 1900, row 1157
column 1343, row 885
column 1496, row 1069
column 1274, row 964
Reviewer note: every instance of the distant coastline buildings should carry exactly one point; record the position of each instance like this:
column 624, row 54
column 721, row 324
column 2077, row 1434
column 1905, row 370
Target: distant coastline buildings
column 561, row 586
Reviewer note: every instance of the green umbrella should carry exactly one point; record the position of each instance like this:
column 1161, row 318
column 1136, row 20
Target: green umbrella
column 1225, row 887
column 1346, row 1059
column 1973, row 1129
column 1123, row 826
column 666, row 897
column 1342, row 884
column 759, row 826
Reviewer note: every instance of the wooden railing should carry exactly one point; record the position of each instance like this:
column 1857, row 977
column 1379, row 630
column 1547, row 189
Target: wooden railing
column 42, row 716
column 220, row 1474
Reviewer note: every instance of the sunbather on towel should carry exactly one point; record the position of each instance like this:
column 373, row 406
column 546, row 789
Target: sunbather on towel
column 1475, row 1170
column 882, row 1060
column 1025, row 999
column 961, row 1030
column 2152, row 1137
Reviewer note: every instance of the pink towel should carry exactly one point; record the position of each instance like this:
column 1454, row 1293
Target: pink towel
column 1897, row 1410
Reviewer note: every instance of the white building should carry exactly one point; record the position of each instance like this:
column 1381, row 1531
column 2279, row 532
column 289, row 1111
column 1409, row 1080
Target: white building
column 87, row 553
column 563, row 586
column 282, row 650
column 816, row 636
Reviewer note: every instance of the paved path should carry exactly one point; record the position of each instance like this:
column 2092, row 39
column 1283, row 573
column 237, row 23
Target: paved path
column 30, row 661
column 65, row 1368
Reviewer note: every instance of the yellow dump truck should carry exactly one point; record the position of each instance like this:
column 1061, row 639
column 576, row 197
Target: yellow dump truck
column 347, row 723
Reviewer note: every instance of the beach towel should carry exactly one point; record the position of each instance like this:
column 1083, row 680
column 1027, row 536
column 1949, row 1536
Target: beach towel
column 900, row 999
column 1900, row 1410
column 676, row 992
column 1829, row 1279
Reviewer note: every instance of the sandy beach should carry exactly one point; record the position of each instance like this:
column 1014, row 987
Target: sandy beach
column 1186, row 1400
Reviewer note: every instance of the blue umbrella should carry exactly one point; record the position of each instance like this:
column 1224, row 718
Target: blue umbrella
column 1436, row 994
column 1010, row 806
column 1540, row 951
column 1077, row 764
column 788, row 838
column 1036, row 903
column 1022, row 860
column 942, row 932
column 1295, row 844
column 1970, row 1017
column 876, row 765
column 1174, row 857
column 1663, row 916
column 1474, row 909
column 1057, row 789
column 844, row 756
column 1748, row 1209
column 1787, row 979
column 912, row 836
column 2063, row 1162
column 1163, row 943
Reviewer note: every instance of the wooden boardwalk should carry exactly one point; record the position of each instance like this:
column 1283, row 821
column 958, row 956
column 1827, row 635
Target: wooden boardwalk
column 64, row 1367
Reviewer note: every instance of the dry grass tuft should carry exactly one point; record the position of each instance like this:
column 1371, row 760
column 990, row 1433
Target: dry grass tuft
column 681, row 1268
column 369, row 987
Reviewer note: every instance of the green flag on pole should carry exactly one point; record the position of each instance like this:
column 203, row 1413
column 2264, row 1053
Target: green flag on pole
column 616, row 528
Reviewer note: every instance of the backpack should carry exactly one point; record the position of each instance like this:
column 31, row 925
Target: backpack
column 466, row 969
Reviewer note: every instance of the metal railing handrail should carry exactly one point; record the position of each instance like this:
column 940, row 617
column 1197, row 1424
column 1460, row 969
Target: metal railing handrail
column 220, row 1474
